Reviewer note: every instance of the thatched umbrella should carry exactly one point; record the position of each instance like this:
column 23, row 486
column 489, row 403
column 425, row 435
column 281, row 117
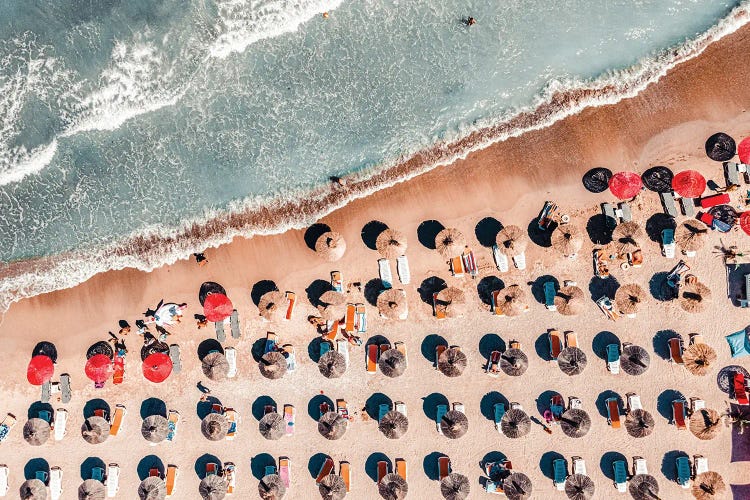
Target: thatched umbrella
column 511, row 300
column 95, row 430
column 332, row 364
column 271, row 487
column 271, row 305
column 392, row 363
column 213, row 487
column 625, row 237
column 567, row 240
column 691, row 235
column 514, row 362
column 643, row 487
column 332, row 305
column 512, row 241
column 575, row 423
column 91, row 489
column 393, row 487
column 579, row 487
column 272, row 426
column 450, row 243
column 569, row 300
column 215, row 366
column 695, row 297
column 332, row 425
column 152, row 488
column 698, row 358
column 639, row 423
column 452, row 300
column 515, row 423
column 392, row 304
column 272, row 365
column 629, row 298
column 455, row 486
column 215, row 426
column 517, row 486
column 634, row 360
column 33, row 489
column 452, row 362
column 706, row 424
column 708, row 486
column 720, row 147
column 155, row 428
column 571, row 361
column 332, row 487
column 394, row 424
column 391, row 243
column 330, row 246
column 36, row 431
column 454, row 424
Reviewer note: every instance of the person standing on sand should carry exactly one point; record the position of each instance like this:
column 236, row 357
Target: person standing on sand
column 201, row 259
column 201, row 320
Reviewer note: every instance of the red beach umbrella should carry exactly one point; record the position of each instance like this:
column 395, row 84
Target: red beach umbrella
column 745, row 222
column 40, row 370
column 99, row 368
column 157, row 367
column 743, row 150
column 689, row 184
column 625, row 185
column 217, row 307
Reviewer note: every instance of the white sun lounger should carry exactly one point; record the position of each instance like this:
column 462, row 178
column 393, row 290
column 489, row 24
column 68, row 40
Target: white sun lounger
column 55, row 483
column 501, row 260
column 579, row 466
column 342, row 346
column 385, row 273
column 520, row 261
column 113, row 479
column 697, row 404
column 634, row 401
column 61, row 420
column 625, row 213
column 231, row 356
column 4, row 480
column 667, row 201
column 402, row 267
column 700, row 464
column 639, row 466
column 732, row 173
column 400, row 407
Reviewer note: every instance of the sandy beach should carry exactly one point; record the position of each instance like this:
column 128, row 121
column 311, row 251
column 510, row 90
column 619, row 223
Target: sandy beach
column 667, row 124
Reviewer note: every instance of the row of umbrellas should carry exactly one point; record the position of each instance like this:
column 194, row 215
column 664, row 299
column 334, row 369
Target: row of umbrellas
column 331, row 245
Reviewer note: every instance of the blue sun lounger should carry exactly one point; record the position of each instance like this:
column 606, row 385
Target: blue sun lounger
column 325, row 346
column 621, row 475
column 439, row 414
column 269, row 470
column 683, row 471
column 499, row 413
column 97, row 473
column 549, row 295
column 382, row 410
column 560, row 473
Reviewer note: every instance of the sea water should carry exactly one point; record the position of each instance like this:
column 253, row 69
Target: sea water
column 121, row 118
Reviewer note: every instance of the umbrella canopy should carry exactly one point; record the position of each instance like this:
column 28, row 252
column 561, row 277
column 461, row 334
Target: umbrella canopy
column 454, row 424
column 272, row 426
column 725, row 213
column 512, row 240
column 157, row 367
column 625, row 185
column 33, row 489
column 152, row 488
column 155, row 428
column 392, row 363
column 394, row 424
column 452, row 300
column 571, row 361
column 745, row 222
column 511, row 300
column 215, row 366
column 695, row 297
column 567, row 240
column 271, row 305
column 332, row 487
column 709, row 485
column 569, row 300
column 706, row 424
column 452, row 362
column 217, row 307
column 393, row 487
column 391, row 243
column 625, row 237
column 639, row 423
column 743, row 150
column 40, row 369
column 517, row 486
column 698, row 358
column 99, row 368
column 689, row 184
column 207, row 289
column 629, row 298
column 691, row 235
column 634, row 360
column 515, row 423
column 330, row 246
column 450, row 243
column 271, row 487
column 392, row 304
column 91, row 489
column 455, row 486
column 658, row 179
column 514, row 362
column 332, row 425
column 575, row 423
column 272, row 365
column 332, row 305
column 213, row 487
column 332, row 364
column 579, row 487
column 643, row 487
column 95, row 430
column 596, row 180
column 215, row 426
column 720, row 147
column 100, row 347
column 36, row 431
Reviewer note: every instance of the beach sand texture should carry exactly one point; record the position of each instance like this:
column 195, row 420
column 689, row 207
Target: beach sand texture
column 667, row 124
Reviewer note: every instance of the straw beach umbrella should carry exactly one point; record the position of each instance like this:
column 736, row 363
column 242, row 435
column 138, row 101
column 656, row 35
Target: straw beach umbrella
column 644, row 487
column 515, row 423
column 391, row 243
column 272, row 365
column 392, row 304
column 569, row 300
column 152, row 488
column 517, row 486
column 33, row 489
column 454, row 424
column 452, row 300
column 691, row 235
column 629, row 298
column 393, row 487
column 575, row 423
column 332, row 425
column 450, row 243
column 567, row 240
column 330, row 246
column 215, row 426
column 452, row 362
column 155, row 428
column 625, row 237
column 512, row 241
column 332, row 487
column 698, row 358
column 455, row 486
column 271, row 487
column 514, row 362
column 95, row 430
column 332, row 364
column 91, row 489
column 270, row 305
column 695, row 297
column 215, row 366
column 639, row 423
column 272, row 426
column 213, row 487
column 571, row 361
column 332, row 305
column 579, row 487
column 392, row 363
column 512, row 300
column 720, row 147
column 36, row 431
column 634, row 359
column 708, row 486
column 394, row 424
column 705, row 424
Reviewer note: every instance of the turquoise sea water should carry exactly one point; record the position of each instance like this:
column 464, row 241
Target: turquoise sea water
column 123, row 117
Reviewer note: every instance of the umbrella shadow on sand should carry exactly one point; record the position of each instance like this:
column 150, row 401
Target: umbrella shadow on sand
column 371, row 231
column 540, row 237
column 153, row 406
column 659, row 288
column 153, row 462
column 373, row 288
column 599, row 287
column 315, row 463
column 313, row 349
column 429, row 346
column 430, row 404
column 668, row 465
column 543, row 401
column 429, row 287
column 545, row 463
column 486, row 286
column 537, row 287
column 599, row 228
column 491, row 342
column 488, row 402
column 541, row 346
column 605, row 463
column 601, row 401
column 430, row 465
column 486, row 231
column 657, row 223
column 95, row 404
column 316, row 289
column 601, row 341
column 373, row 403
column 258, row 465
column 427, row 232
column 660, row 343
column 664, row 403
column 89, row 464
column 258, row 408
column 34, row 465
column 208, row 345
column 371, row 464
column 313, row 233
column 203, row 408
column 261, row 288
column 38, row 406
column 313, row 406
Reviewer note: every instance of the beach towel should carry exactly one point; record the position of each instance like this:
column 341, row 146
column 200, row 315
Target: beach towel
column 119, row 373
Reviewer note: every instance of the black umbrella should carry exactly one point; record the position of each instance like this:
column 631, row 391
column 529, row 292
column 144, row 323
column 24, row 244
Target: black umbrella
column 634, row 360
column 575, row 423
column 207, row 289
column 152, row 348
column 596, row 180
column 658, row 179
column 726, row 376
column 514, row 362
column 724, row 213
column 393, row 487
column 394, row 424
column 720, row 147
column 517, row 486
column 45, row 348
column 644, row 487
column 571, row 361
column 100, row 347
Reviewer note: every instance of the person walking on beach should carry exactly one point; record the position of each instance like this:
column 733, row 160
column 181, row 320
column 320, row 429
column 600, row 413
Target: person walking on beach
column 201, row 259
column 201, row 320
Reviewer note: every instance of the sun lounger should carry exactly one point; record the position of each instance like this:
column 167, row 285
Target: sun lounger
column 667, row 242
column 6, row 425
column 607, row 307
column 326, row 469
column 174, row 355
column 557, row 407
column 712, row 201
column 744, row 303
column 601, row 264
column 65, row 393
column 382, row 470
column 499, row 412
column 221, row 335
column 401, row 468
column 61, row 421
column 439, row 312
column 118, row 375
column 740, row 389
column 342, row 408
column 361, row 321
column 400, row 407
column 519, row 260
column 233, row 419
column 154, row 472
column 501, row 260
column 271, row 340
column 113, row 480
column 212, row 469
column 372, row 358
column 494, row 301
column 635, row 258
column 438, row 351
column 231, row 356
column 337, row 283
column 688, row 206
column 620, row 470
column 97, row 473
column 459, row 407
column 234, row 324
column 700, row 464
column 571, row 339
column 679, row 413
column 470, row 263
column 440, row 412
column 269, row 470
column 46, row 392
column 683, row 471
column 579, row 466
column 386, row 277
column 444, row 467
column 289, row 414
column 549, row 295
column 574, row 403
column 639, row 466
column 696, row 338
column 545, row 216
column 342, row 346
column 633, row 401
column 285, row 471
column 555, row 343
column 457, row 266
column 613, row 412
column 382, row 410
column 560, row 473
column 172, row 420
column 291, row 300
column 696, row 404
column 731, row 173
column 675, row 350
column 493, row 364
column 55, row 482
column 667, row 202
column 613, row 358
column 400, row 347
column 402, row 268
column 609, row 213
column 291, row 357
column 230, row 477
column 4, row 475
column 626, row 213
column 348, row 319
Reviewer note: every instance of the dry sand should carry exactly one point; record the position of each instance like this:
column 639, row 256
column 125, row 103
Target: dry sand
column 666, row 125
